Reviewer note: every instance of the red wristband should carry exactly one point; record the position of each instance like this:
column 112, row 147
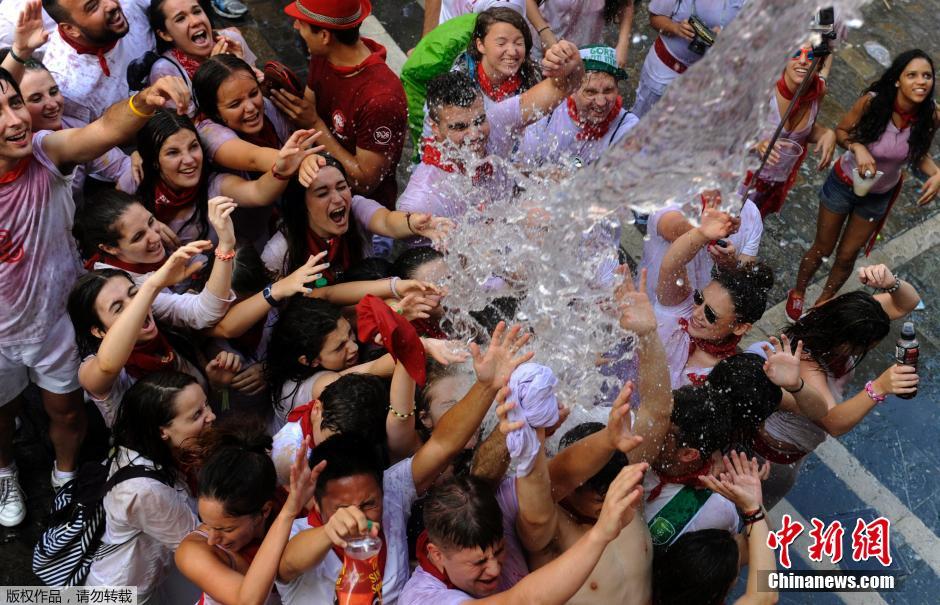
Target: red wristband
column 279, row 177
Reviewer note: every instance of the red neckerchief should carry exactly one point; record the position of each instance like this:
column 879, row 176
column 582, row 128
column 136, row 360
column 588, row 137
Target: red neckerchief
column 690, row 479
column 166, row 202
column 188, row 64
column 266, row 137
column 139, row 268
column 338, row 253
column 696, row 380
column 377, row 564
column 301, row 414
column 589, row 131
column 907, row 117
column 90, row 50
column 424, row 562
column 151, row 357
column 433, row 157
column 721, row 350
column 813, row 92
column 376, row 58
column 17, row 171
column 508, row 88
column 399, row 337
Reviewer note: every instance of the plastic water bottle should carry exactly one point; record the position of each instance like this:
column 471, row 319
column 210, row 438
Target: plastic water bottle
column 360, row 580
column 907, row 351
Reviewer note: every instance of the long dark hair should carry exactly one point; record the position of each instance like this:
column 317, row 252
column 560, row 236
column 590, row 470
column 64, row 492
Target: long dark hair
column 150, row 141
column 529, row 72
column 848, row 326
column 877, row 114
column 146, row 407
column 301, row 328
column 295, row 221
column 748, row 285
column 237, row 470
column 81, row 308
column 210, row 76
column 96, row 223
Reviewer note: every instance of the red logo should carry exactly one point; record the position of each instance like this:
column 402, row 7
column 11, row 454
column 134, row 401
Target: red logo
column 869, row 540
column 10, row 252
column 339, row 122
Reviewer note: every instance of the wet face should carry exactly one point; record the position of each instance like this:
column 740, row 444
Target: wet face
column 675, row 459
column 240, row 104
column 180, row 160
column 43, row 100
column 586, row 502
column 139, row 241
column 115, row 296
column 474, row 570
column 463, row 127
column 99, row 22
column 186, row 26
column 340, row 350
column 231, row 533
column 713, row 315
column 503, row 50
column 443, row 394
column 329, row 200
column 360, row 491
column 596, row 97
column 16, row 142
column 798, row 66
column 433, row 272
column 916, row 81
column 193, row 416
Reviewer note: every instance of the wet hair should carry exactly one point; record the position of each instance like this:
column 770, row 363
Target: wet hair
column 213, row 72
column 346, row 37
column 146, row 407
column 356, row 404
column 878, row 112
column 748, row 284
column 411, row 260
column 744, row 392
column 528, row 71
column 150, row 141
column 602, row 479
column 237, row 470
column 699, row 567
column 847, row 326
column 346, row 455
column 301, row 329
column 10, row 80
column 56, row 11
column 702, row 420
column 96, row 223
column 82, row 311
column 453, row 88
column 462, row 512
column 249, row 275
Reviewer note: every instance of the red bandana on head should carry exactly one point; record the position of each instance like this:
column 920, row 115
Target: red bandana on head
column 508, row 88
column 188, row 64
column 593, row 131
column 166, row 202
column 398, row 336
column 721, row 350
column 151, row 357
column 99, row 51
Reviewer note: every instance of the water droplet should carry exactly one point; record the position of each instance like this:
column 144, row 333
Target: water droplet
column 680, row 282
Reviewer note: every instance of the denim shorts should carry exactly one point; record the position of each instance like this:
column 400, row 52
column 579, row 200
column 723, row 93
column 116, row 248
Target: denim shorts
column 838, row 197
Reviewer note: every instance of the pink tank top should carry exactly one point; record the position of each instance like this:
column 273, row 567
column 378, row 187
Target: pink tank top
column 890, row 153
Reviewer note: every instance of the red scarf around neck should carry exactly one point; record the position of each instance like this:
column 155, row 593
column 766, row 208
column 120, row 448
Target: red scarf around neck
column 107, row 259
column 721, row 350
column 813, row 92
column 167, row 203
column 17, row 170
column 432, row 156
column 151, row 357
column 376, row 564
column 338, row 253
column 98, row 51
column 424, row 561
column 301, row 414
column 690, row 479
column 510, row 86
column 593, row 131
column 189, row 64
column 907, row 117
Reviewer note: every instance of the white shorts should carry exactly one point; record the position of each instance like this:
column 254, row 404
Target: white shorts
column 51, row 364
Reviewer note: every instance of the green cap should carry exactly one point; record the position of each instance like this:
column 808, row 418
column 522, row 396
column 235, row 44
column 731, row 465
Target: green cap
column 602, row 58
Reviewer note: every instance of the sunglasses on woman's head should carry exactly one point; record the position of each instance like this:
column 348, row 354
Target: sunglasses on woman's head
column 699, row 300
column 808, row 52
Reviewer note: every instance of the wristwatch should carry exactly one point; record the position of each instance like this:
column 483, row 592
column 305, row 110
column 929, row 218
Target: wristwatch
column 266, row 293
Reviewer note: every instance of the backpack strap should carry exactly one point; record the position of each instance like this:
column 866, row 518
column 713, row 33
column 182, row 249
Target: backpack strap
column 668, row 523
column 133, row 471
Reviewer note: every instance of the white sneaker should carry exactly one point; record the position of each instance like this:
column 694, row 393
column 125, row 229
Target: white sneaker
column 12, row 501
column 59, row 482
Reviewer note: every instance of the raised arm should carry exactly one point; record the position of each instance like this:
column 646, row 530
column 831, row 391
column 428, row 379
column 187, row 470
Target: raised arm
column 402, row 225
column 403, row 439
column 843, row 417
column 673, row 285
column 783, row 369
column 28, row 35
column 624, row 33
column 267, row 188
column 563, row 71
column 220, row 217
column 432, row 16
column 236, row 154
column 896, row 304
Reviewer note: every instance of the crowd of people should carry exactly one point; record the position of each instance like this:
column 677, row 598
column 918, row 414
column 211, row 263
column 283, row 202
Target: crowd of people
column 235, row 315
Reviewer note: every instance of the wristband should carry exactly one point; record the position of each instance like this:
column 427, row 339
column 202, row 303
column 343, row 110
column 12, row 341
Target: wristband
column 408, row 222
column 794, row 392
column 16, row 58
column 279, row 177
column 870, row 389
column 751, row 517
column 894, row 288
column 391, row 285
column 401, row 416
column 543, row 29
column 224, row 256
column 137, row 112
column 268, row 296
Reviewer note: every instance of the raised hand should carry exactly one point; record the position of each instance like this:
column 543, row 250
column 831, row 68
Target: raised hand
column 415, row 306
column 897, row 380
column 297, row 149
column 250, row 381
column 783, row 363
column 506, row 425
column 296, row 282
column 502, row 357
column 404, row 287
column 309, row 169
column 620, row 505
column 166, row 89
column 301, row 110
column 561, row 59
column 715, row 224
column 636, row 310
column 169, row 237
column 434, row 228
column 723, row 256
column 444, row 352
column 178, row 266
column 220, row 217
column 618, row 422
column 222, row 370
column 349, row 522
column 303, row 480
column 877, row 276
column 740, row 481
column 29, row 33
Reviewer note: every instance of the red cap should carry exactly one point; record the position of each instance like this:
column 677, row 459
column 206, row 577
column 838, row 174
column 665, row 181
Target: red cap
column 330, row 14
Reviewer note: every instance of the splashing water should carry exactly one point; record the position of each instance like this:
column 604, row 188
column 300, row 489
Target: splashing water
column 554, row 249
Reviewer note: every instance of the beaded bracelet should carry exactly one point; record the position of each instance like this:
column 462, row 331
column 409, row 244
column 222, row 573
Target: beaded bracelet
column 401, row 416
column 870, row 389
column 894, row 288
column 224, row 256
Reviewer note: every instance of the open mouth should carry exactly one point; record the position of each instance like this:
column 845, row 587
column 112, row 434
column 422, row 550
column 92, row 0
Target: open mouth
column 189, row 171
column 338, row 216
column 18, row 139
column 52, row 114
column 253, row 120
column 116, row 18
column 201, row 37
column 149, row 325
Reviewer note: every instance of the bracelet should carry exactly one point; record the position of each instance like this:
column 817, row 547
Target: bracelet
column 279, row 177
column 401, row 416
column 16, row 58
column 391, row 284
column 269, row 296
column 543, row 29
column 408, row 222
column 224, row 256
column 802, row 384
column 894, row 288
column 749, row 518
column 870, row 389
column 137, row 112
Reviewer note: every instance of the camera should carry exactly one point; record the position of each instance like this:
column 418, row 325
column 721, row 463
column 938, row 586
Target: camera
column 704, row 36
column 824, row 25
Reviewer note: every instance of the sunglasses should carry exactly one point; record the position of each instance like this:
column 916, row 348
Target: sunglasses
column 699, row 300
column 807, row 52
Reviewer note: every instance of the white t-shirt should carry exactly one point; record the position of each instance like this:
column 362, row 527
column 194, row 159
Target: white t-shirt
column 715, row 13
column 318, row 585
column 717, row 513
column 455, row 8
column 554, row 138
column 581, row 22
